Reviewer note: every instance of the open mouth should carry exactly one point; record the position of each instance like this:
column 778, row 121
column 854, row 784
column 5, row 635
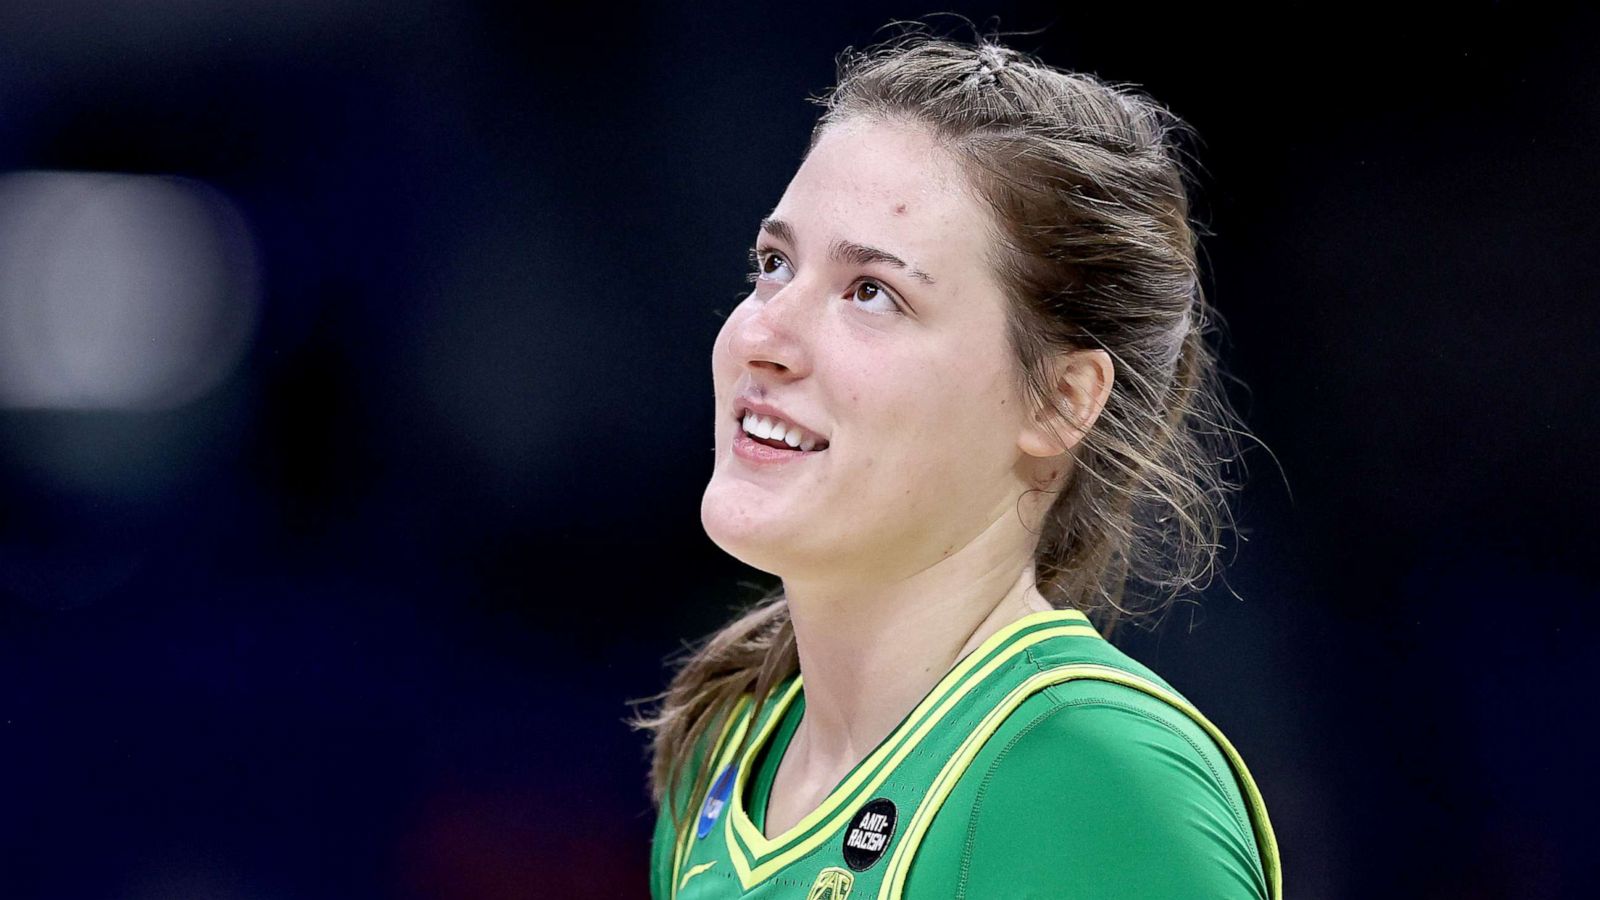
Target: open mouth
column 773, row 432
column 779, row 445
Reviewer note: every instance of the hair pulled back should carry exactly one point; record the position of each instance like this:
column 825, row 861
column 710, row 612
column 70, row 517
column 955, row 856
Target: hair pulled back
column 1095, row 249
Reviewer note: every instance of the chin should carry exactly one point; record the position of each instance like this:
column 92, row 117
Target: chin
column 742, row 529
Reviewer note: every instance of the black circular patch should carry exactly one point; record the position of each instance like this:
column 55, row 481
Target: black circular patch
column 867, row 838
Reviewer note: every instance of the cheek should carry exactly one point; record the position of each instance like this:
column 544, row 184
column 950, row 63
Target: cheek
column 901, row 405
column 946, row 420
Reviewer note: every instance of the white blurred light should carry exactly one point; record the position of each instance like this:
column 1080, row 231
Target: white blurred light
column 131, row 292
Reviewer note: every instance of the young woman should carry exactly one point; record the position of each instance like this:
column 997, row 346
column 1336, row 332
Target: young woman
column 966, row 403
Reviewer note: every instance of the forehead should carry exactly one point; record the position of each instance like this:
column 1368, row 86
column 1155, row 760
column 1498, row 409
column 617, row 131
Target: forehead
column 888, row 185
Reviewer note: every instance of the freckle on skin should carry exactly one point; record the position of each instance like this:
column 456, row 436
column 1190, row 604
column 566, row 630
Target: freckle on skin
column 900, row 209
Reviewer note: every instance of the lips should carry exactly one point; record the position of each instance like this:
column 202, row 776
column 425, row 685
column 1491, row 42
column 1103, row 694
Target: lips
column 758, row 452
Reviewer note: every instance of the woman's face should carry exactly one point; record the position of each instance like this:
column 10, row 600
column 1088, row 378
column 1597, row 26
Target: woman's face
column 875, row 323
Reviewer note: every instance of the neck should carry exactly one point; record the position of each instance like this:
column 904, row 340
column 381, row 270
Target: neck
column 869, row 657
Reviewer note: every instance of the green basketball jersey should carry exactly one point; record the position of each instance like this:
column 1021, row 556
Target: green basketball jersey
column 1046, row 763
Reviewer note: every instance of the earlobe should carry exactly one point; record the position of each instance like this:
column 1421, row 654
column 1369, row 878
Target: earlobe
column 1044, row 435
column 1082, row 381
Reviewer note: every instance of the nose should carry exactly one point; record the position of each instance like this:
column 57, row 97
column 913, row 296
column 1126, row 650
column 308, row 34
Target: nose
column 776, row 332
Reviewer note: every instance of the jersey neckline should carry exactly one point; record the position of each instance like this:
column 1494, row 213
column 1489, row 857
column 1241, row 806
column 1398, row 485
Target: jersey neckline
column 764, row 765
column 761, row 854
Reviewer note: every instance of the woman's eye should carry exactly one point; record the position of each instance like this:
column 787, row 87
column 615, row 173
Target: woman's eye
column 768, row 264
column 872, row 291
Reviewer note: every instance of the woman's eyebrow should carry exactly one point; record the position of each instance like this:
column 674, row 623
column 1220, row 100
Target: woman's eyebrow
column 847, row 251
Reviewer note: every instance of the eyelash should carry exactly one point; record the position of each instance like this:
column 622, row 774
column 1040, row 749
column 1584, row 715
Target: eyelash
column 759, row 254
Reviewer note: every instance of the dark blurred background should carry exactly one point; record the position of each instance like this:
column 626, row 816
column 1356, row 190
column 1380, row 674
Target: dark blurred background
column 355, row 407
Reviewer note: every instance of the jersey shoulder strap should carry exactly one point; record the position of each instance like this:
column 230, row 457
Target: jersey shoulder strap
column 1057, row 662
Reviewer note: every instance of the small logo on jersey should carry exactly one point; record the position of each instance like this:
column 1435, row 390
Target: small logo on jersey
column 833, row 883
column 869, row 834
column 716, row 800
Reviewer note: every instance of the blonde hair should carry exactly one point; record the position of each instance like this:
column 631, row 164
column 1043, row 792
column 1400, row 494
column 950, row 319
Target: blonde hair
column 1097, row 250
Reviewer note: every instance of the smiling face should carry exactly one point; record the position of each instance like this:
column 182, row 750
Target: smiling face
column 877, row 323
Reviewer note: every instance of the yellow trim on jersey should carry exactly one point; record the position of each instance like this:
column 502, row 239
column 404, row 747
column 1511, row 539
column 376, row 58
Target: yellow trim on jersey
column 760, row 845
column 899, row 862
column 954, row 686
column 722, row 752
column 696, row 870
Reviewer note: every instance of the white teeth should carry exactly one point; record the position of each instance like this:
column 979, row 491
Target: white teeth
column 777, row 430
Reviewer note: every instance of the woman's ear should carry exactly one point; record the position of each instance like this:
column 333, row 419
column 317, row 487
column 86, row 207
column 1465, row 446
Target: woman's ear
column 1081, row 382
